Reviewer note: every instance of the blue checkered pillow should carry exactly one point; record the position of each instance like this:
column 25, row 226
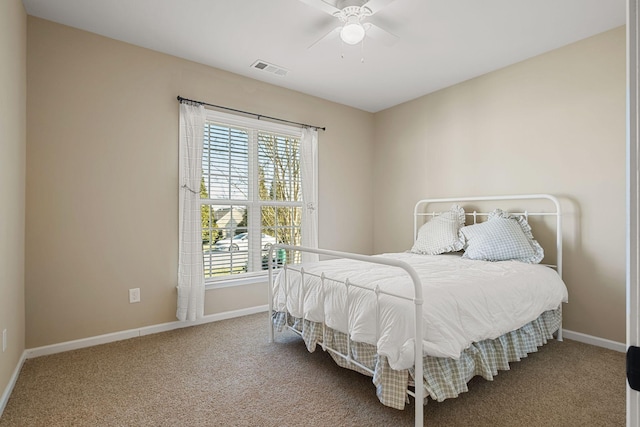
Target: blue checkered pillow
column 502, row 237
column 441, row 233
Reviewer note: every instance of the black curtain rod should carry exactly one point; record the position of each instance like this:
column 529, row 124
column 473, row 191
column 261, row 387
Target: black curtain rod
column 259, row 116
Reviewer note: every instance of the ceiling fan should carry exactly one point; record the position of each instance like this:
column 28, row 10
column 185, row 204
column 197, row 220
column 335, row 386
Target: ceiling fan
column 353, row 16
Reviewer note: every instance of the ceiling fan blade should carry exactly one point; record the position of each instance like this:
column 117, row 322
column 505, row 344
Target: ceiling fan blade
column 331, row 34
column 379, row 34
column 376, row 5
column 322, row 5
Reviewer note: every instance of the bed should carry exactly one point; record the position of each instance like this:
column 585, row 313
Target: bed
column 475, row 278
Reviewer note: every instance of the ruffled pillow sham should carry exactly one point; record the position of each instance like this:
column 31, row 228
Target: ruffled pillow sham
column 502, row 237
column 441, row 233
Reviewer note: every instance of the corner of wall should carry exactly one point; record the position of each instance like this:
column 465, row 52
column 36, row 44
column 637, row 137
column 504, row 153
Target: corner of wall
column 13, row 70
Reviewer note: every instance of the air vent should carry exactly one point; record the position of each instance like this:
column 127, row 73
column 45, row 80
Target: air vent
column 269, row 68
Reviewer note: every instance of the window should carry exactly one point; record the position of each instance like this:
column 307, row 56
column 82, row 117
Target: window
column 250, row 195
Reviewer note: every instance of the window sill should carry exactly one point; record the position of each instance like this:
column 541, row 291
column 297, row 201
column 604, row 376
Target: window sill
column 236, row 281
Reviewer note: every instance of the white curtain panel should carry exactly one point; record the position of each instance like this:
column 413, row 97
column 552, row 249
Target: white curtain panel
column 309, row 172
column 190, row 271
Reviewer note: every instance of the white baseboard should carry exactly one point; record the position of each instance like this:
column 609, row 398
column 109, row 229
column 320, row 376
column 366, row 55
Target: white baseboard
column 12, row 382
column 590, row 339
column 163, row 327
column 132, row 333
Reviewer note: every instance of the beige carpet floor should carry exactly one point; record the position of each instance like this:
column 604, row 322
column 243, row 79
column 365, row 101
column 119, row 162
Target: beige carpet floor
column 227, row 374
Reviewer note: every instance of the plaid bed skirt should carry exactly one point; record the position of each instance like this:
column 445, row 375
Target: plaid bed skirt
column 444, row 378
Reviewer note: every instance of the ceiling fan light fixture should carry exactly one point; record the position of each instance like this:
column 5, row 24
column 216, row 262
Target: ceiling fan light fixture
column 352, row 33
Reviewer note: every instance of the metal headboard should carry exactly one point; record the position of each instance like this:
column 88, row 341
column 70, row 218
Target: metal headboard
column 420, row 211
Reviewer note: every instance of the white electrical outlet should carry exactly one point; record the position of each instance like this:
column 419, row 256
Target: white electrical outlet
column 4, row 340
column 134, row 295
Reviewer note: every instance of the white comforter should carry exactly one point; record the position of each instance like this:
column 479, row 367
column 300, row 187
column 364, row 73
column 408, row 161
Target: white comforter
column 465, row 301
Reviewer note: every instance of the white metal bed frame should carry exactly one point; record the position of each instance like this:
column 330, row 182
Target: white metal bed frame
column 417, row 299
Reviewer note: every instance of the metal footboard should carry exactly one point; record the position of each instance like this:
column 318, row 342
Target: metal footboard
column 417, row 299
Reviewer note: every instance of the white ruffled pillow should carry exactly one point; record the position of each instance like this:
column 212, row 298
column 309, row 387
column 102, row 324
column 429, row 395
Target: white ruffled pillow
column 502, row 237
column 441, row 233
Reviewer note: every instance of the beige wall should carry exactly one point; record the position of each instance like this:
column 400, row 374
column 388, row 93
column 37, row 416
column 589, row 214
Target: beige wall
column 13, row 138
column 102, row 179
column 102, row 171
column 551, row 124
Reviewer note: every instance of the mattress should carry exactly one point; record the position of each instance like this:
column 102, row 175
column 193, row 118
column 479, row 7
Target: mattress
column 465, row 301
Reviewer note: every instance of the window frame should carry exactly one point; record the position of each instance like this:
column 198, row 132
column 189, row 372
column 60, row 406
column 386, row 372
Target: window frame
column 252, row 203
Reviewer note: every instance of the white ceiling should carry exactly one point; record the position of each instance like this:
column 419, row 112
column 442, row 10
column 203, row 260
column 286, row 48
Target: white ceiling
column 440, row 42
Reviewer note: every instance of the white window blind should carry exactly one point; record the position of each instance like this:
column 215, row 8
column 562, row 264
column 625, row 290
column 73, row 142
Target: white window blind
column 250, row 195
